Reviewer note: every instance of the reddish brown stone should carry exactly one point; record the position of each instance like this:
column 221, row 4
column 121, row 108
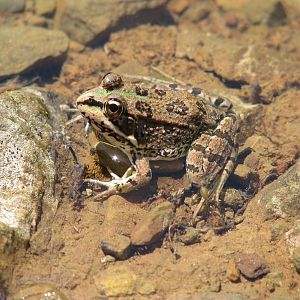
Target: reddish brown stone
column 251, row 265
column 232, row 272
column 152, row 227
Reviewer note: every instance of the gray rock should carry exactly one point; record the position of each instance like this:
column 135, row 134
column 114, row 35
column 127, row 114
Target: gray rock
column 26, row 166
column 251, row 265
column 282, row 197
column 153, row 226
column 27, row 48
column 11, row 6
column 87, row 20
column 117, row 246
column 191, row 236
column 234, row 199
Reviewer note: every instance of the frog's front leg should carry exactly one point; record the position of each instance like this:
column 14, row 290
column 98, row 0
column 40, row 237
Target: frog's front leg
column 211, row 158
column 138, row 179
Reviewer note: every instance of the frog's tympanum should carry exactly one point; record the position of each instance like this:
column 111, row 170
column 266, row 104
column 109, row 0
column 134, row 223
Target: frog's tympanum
column 151, row 123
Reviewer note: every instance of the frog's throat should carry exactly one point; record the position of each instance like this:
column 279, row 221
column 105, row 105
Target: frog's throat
column 117, row 132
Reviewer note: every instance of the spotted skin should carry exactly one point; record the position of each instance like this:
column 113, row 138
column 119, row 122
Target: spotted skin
column 150, row 122
column 217, row 101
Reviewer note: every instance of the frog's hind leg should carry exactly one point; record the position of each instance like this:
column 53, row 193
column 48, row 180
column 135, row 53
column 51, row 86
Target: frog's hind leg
column 225, row 174
column 211, row 159
column 218, row 186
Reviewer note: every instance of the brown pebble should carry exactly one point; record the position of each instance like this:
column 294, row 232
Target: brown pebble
column 152, row 227
column 231, row 20
column 117, row 246
column 251, row 265
column 232, row 272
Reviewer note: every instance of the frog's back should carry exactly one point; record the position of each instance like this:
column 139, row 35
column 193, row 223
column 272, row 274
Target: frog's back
column 167, row 121
column 165, row 106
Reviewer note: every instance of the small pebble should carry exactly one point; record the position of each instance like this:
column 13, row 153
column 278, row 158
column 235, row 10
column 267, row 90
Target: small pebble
column 238, row 219
column 107, row 259
column 117, row 246
column 89, row 192
column 191, row 236
column 232, row 272
column 231, row 20
column 233, row 199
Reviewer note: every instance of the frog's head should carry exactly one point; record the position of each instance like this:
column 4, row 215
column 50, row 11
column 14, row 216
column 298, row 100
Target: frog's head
column 106, row 109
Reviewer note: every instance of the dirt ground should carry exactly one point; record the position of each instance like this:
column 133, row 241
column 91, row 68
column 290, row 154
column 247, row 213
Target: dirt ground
column 66, row 251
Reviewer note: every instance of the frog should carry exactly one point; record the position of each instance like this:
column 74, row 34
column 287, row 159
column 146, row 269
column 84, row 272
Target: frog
column 153, row 123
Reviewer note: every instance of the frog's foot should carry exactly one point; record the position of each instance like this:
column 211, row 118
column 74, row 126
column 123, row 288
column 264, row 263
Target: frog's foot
column 107, row 184
column 113, row 187
column 127, row 183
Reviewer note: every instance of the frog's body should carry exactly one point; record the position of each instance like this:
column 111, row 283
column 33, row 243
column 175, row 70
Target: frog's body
column 152, row 123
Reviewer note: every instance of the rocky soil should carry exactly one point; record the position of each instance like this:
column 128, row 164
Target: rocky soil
column 142, row 245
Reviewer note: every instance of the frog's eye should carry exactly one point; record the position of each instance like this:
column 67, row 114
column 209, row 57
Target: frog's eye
column 113, row 108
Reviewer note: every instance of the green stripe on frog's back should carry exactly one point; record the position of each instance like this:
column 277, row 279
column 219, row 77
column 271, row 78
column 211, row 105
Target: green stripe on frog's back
column 103, row 93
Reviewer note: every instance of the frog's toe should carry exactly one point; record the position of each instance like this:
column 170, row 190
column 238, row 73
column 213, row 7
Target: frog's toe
column 107, row 184
column 111, row 187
